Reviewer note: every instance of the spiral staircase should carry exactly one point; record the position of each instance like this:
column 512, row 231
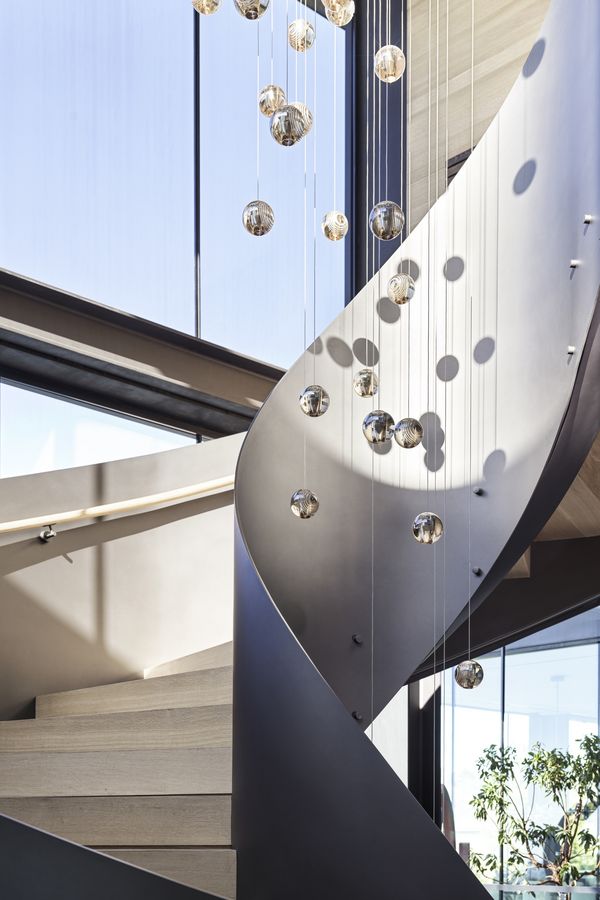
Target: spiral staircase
column 498, row 354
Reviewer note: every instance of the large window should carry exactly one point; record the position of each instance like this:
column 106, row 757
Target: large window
column 265, row 297
column 97, row 151
column 39, row 433
column 545, row 689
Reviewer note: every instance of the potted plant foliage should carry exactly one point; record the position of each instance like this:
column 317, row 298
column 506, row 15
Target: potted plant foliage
column 559, row 853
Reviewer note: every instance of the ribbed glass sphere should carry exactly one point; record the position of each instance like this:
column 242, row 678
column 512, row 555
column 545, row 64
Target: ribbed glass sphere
column 287, row 125
column 271, row 98
column 334, row 225
column 365, row 383
column 427, row 528
column 408, row 433
column 206, row 7
column 301, row 35
column 401, row 288
column 314, row 400
column 258, row 218
column 251, row 9
column 307, row 116
column 378, row 427
column 386, row 220
column 390, row 63
column 304, row 503
column 468, row 674
column 339, row 12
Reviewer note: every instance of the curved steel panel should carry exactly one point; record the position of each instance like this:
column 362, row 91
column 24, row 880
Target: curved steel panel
column 487, row 355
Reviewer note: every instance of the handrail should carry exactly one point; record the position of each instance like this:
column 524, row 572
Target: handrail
column 203, row 488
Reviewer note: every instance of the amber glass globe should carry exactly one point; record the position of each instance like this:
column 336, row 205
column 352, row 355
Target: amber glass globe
column 339, row 12
column 251, row 9
column 408, row 433
column 206, row 7
column 401, row 288
column 304, row 503
column 301, row 35
column 287, row 125
column 334, row 225
column 258, row 218
column 386, row 220
column 270, row 99
column 307, row 116
column 390, row 63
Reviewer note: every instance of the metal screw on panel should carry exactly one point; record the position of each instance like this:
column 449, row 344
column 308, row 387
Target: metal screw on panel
column 358, row 639
column 47, row 533
column 575, row 263
column 477, row 571
column 356, row 715
column 478, row 491
column 571, row 349
column 588, row 219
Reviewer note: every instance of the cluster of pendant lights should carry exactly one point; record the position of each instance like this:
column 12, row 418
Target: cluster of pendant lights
column 289, row 124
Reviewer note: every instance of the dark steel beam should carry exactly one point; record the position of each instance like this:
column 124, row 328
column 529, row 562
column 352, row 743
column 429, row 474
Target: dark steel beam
column 62, row 344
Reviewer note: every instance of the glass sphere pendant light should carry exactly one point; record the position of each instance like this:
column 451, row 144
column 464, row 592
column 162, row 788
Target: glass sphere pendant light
column 334, row 225
column 271, row 98
column 427, row 528
column 365, row 383
column 288, row 125
column 378, row 427
column 314, row 400
column 301, row 35
column 304, row 503
column 258, row 218
column 468, row 674
column 408, row 433
column 339, row 12
column 390, row 63
column 206, row 7
column 401, row 288
column 251, row 9
column 386, row 220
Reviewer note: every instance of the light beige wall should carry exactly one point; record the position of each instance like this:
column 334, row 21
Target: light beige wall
column 504, row 32
column 104, row 600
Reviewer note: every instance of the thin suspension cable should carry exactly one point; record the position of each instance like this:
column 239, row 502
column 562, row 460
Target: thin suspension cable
column 272, row 42
column 257, row 111
column 334, row 119
column 314, row 132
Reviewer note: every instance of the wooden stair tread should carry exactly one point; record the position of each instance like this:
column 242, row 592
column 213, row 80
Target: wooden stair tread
column 201, row 726
column 211, row 870
column 211, row 657
column 204, row 688
column 201, row 820
column 205, row 770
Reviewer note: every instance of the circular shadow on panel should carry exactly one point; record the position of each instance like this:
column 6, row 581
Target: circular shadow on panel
column 534, row 59
column 387, row 311
column 447, row 368
column 316, row 347
column 484, row 350
column 494, row 464
column 453, row 268
column 339, row 351
column 434, row 460
column 381, row 449
column 524, row 176
column 365, row 351
column 411, row 267
column 433, row 441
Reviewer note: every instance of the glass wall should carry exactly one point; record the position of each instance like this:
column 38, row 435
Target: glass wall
column 266, row 296
column 97, row 151
column 39, row 433
column 543, row 689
